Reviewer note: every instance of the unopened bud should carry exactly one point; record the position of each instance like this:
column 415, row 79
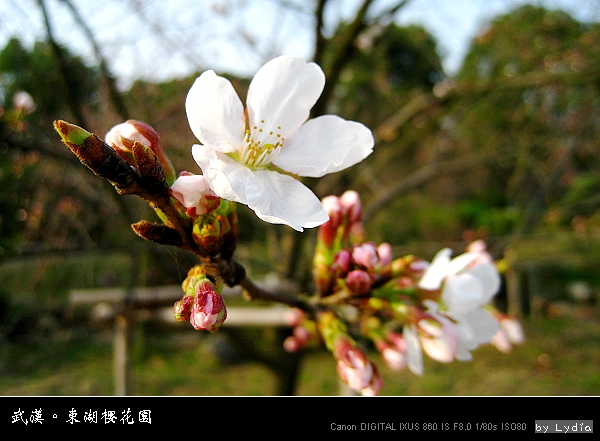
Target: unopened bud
column 195, row 194
column 342, row 263
column 351, row 206
column 209, row 233
column 122, row 136
column 358, row 282
column 183, row 309
column 365, row 255
column 328, row 231
column 208, row 312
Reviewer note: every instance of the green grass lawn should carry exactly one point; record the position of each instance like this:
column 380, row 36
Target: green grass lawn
column 560, row 357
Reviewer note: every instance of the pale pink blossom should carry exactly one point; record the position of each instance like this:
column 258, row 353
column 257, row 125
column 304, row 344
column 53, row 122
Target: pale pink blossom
column 438, row 337
column 466, row 287
column 510, row 333
column 356, row 370
column 395, row 359
column 194, row 193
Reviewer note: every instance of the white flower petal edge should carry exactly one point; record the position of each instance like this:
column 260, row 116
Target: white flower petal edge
column 323, row 145
column 437, row 270
column 215, row 112
column 414, row 353
column 282, row 93
column 275, row 198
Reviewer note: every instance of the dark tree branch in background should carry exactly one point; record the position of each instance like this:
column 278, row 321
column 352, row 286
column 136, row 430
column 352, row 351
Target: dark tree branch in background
column 345, row 47
column 338, row 60
column 421, row 177
column 319, row 37
column 72, row 100
column 115, row 96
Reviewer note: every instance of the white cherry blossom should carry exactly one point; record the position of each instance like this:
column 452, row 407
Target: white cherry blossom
column 253, row 156
column 467, row 285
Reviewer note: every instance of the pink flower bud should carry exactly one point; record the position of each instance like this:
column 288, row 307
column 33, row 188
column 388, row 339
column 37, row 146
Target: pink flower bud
column 396, row 339
column 194, row 193
column 183, row 309
column 294, row 317
column 358, row 372
column 385, row 253
column 298, row 339
column 301, row 333
column 355, row 369
column 122, row 136
column 351, row 206
column 328, row 230
column 359, row 282
column 292, row 344
column 365, row 255
column 208, row 312
column 375, row 385
column 342, row 262
column 393, row 356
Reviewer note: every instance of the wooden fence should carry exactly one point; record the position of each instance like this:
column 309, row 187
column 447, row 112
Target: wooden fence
column 123, row 307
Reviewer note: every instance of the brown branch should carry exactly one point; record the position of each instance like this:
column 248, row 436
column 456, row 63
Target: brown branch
column 281, row 294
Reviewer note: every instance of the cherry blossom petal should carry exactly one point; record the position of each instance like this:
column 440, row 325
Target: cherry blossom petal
column 414, row 354
column 483, row 324
column 461, row 263
column 323, row 145
column 275, row 198
column 281, row 199
column 191, row 191
column 488, row 275
column 215, row 113
column 226, row 177
column 441, row 342
column 282, row 93
column 462, row 294
column 437, row 271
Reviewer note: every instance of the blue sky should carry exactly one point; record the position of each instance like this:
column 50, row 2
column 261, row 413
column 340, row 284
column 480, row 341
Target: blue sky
column 237, row 35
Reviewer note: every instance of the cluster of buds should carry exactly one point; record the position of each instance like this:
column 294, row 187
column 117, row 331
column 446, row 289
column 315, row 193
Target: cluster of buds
column 403, row 307
column 214, row 219
column 344, row 264
column 353, row 366
column 202, row 304
column 193, row 217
